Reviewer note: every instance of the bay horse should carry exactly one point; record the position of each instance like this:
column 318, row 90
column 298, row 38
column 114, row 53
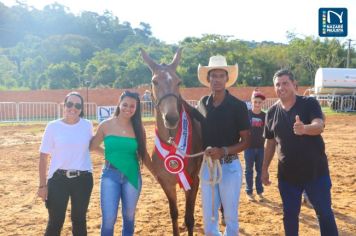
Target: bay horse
column 169, row 106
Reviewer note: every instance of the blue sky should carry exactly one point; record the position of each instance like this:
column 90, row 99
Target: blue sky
column 258, row 20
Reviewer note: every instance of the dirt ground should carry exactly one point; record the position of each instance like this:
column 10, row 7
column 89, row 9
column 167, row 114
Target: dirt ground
column 22, row 214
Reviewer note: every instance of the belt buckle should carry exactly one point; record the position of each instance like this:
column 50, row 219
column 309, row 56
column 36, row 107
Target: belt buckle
column 72, row 173
column 228, row 159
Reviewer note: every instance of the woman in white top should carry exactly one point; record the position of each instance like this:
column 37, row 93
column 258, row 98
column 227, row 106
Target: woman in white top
column 66, row 141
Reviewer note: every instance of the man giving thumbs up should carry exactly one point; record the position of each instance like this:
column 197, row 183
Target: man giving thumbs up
column 293, row 126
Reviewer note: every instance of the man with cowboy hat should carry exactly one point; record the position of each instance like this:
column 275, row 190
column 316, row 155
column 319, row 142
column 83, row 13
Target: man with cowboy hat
column 225, row 132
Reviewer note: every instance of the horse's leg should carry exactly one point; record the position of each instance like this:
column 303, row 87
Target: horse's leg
column 170, row 191
column 190, row 197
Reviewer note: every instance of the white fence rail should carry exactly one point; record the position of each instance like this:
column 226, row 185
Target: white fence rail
column 47, row 111
column 147, row 107
column 38, row 111
column 268, row 103
column 344, row 103
column 339, row 103
column 8, row 111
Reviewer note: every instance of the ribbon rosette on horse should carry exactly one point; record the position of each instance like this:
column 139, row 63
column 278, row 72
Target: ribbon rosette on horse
column 175, row 158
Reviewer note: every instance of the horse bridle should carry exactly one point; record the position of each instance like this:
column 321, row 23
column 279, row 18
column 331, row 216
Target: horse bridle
column 158, row 102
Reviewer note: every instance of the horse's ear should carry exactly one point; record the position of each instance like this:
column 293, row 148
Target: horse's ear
column 151, row 64
column 176, row 58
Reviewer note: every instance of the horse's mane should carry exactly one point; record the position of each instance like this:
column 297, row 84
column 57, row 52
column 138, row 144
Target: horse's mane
column 192, row 111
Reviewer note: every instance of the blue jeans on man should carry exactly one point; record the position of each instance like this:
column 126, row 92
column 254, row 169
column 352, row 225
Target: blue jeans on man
column 253, row 157
column 227, row 194
column 113, row 188
column 319, row 195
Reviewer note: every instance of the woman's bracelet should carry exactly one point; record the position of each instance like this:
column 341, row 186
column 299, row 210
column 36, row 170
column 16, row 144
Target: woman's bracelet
column 42, row 186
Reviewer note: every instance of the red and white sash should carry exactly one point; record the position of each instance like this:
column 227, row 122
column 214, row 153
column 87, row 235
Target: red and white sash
column 174, row 158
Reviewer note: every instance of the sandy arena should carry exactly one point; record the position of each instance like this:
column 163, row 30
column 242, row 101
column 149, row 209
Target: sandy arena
column 22, row 214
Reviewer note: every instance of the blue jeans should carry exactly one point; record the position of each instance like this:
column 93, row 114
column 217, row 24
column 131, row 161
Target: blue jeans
column 115, row 186
column 253, row 157
column 226, row 193
column 319, row 195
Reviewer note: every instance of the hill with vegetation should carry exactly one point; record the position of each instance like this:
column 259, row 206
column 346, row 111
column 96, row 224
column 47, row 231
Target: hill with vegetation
column 56, row 49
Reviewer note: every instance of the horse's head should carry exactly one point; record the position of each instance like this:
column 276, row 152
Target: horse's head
column 165, row 88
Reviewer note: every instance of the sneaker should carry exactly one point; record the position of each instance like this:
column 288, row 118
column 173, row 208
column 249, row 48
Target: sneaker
column 250, row 198
column 260, row 197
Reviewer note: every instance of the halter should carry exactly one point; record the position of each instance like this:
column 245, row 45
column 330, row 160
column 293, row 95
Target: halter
column 158, row 102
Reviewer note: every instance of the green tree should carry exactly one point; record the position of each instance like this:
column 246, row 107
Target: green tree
column 8, row 73
column 63, row 76
column 102, row 69
column 32, row 72
column 73, row 48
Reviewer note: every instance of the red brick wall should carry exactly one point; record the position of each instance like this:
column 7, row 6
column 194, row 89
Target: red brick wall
column 111, row 96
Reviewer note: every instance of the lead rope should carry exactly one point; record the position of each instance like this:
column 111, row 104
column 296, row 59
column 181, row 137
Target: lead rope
column 214, row 170
column 215, row 176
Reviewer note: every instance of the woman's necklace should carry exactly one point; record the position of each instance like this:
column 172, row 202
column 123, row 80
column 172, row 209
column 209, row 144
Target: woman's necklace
column 123, row 129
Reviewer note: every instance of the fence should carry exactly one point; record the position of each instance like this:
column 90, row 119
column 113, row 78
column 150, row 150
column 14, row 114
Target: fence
column 339, row 103
column 9, row 111
column 147, row 107
column 38, row 111
column 46, row 111
column 268, row 103
column 344, row 103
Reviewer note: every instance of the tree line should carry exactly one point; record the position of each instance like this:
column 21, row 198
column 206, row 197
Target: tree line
column 55, row 49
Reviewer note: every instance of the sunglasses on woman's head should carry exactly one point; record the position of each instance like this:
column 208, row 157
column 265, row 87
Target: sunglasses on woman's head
column 77, row 106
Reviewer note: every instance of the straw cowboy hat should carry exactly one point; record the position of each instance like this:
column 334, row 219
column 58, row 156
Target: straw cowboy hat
column 218, row 62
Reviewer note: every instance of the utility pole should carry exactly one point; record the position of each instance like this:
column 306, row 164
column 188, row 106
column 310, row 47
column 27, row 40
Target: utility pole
column 87, row 84
column 348, row 54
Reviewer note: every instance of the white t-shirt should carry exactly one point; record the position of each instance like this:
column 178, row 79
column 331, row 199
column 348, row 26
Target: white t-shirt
column 68, row 145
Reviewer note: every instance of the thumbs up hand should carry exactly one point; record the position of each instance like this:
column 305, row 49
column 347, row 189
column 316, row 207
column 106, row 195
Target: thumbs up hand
column 298, row 126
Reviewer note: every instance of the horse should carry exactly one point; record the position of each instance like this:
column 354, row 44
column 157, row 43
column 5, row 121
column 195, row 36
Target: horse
column 169, row 107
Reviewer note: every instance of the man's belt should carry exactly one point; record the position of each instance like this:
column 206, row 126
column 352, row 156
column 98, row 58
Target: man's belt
column 228, row 159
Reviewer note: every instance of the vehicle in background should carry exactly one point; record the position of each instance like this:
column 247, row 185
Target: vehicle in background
column 336, row 87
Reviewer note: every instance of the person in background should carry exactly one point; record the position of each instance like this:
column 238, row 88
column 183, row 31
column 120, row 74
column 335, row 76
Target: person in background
column 147, row 103
column 66, row 141
column 294, row 125
column 124, row 147
column 146, row 97
column 225, row 133
column 254, row 154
